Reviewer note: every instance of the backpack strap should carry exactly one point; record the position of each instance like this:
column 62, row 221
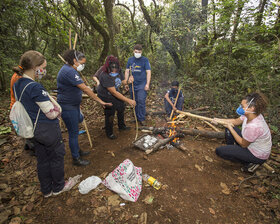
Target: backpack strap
column 24, row 89
column 36, row 119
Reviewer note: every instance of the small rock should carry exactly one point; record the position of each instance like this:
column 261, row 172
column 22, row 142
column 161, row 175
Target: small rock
column 200, row 168
column 15, row 220
column 16, row 210
column 225, row 188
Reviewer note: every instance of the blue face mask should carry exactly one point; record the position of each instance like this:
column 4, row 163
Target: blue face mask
column 240, row 111
column 114, row 74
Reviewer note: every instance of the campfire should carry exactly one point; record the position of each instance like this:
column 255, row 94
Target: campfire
column 173, row 132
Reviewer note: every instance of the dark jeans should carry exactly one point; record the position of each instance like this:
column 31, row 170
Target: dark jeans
column 72, row 118
column 179, row 105
column 234, row 152
column 50, row 151
column 140, row 98
column 109, row 112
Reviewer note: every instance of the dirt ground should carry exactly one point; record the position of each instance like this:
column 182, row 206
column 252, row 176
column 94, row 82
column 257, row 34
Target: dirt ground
column 198, row 187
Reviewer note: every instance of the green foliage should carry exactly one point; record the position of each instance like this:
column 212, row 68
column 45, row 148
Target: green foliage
column 5, row 130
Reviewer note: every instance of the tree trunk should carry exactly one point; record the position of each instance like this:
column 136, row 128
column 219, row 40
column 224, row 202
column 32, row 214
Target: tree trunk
column 277, row 23
column 240, row 6
column 80, row 8
column 204, row 4
column 156, row 28
column 260, row 13
column 108, row 4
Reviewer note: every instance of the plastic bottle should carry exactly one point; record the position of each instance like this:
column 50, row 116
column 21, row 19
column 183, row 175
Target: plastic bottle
column 152, row 181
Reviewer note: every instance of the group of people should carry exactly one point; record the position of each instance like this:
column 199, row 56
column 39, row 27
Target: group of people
column 251, row 146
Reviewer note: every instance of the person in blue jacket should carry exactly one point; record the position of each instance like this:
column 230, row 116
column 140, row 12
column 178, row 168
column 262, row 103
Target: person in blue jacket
column 43, row 111
column 141, row 78
column 70, row 87
column 170, row 98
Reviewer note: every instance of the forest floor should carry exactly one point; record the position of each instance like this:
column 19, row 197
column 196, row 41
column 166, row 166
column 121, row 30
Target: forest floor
column 198, row 187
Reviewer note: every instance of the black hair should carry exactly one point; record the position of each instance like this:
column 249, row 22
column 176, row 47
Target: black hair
column 258, row 100
column 30, row 59
column 70, row 55
column 175, row 83
column 138, row 47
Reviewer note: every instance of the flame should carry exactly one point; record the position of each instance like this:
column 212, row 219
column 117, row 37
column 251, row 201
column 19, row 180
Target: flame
column 172, row 130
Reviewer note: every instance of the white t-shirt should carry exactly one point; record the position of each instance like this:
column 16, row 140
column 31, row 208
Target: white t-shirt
column 257, row 132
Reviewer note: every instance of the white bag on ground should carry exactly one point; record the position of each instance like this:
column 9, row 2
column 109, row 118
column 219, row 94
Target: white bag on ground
column 89, row 184
column 125, row 180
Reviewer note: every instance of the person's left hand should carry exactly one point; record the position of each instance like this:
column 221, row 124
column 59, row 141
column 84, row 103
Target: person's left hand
column 228, row 125
column 147, row 87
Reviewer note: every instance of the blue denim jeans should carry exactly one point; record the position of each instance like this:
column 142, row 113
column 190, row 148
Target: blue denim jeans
column 72, row 118
column 140, row 98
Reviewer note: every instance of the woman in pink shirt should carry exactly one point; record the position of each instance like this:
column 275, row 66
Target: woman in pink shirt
column 250, row 146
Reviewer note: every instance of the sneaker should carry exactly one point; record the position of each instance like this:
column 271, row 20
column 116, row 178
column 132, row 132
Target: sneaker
column 48, row 195
column 124, row 128
column 80, row 162
column 84, row 153
column 250, row 168
column 112, row 136
column 67, row 186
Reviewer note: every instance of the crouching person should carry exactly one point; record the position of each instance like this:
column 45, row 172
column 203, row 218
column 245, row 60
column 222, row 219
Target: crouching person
column 250, row 146
column 170, row 97
column 43, row 111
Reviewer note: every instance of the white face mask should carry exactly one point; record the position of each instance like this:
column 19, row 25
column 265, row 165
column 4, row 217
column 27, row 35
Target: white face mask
column 80, row 67
column 137, row 55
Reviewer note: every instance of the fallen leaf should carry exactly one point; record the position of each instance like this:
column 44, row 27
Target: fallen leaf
column 208, row 159
column 211, row 210
column 148, row 199
column 200, row 168
column 262, row 190
column 225, row 188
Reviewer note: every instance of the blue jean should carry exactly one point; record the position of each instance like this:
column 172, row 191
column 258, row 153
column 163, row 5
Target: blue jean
column 140, row 98
column 234, row 152
column 72, row 118
column 179, row 105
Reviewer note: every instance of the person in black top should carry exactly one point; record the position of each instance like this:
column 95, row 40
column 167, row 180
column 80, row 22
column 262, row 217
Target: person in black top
column 109, row 91
column 170, row 98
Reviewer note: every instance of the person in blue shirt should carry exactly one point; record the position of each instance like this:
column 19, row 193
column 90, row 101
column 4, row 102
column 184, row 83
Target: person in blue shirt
column 43, row 110
column 111, row 79
column 170, row 97
column 70, row 87
column 141, row 78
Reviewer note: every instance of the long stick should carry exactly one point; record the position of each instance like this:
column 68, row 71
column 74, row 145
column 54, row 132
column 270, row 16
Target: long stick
column 134, row 112
column 70, row 41
column 200, row 117
column 212, row 126
column 75, row 41
column 171, row 115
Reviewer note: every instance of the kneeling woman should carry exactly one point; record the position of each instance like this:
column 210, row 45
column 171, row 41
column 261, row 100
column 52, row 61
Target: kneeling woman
column 250, row 146
column 110, row 81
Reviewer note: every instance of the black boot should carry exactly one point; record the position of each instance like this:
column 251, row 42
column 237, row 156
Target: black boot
column 80, row 162
column 84, row 153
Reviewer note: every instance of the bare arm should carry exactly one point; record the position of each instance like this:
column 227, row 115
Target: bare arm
column 91, row 94
column 96, row 80
column 118, row 95
column 148, row 72
column 169, row 101
column 241, row 141
column 235, row 122
column 126, row 74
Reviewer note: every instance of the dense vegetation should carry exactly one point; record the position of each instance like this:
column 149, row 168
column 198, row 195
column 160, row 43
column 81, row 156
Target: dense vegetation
column 219, row 49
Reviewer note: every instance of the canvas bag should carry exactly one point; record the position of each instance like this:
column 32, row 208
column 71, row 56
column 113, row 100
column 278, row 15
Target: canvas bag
column 125, row 180
column 21, row 121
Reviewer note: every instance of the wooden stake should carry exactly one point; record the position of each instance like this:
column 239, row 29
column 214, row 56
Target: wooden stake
column 134, row 112
column 171, row 115
column 212, row 126
column 269, row 168
column 75, row 41
column 70, row 41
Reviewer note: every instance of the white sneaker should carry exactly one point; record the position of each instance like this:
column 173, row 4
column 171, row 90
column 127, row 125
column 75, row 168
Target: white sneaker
column 67, row 187
column 48, row 195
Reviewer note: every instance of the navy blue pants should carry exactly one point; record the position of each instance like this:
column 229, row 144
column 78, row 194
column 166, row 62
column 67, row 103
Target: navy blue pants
column 50, row 151
column 72, row 118
column 179, row 105
column 234, row 152
column 140, row 98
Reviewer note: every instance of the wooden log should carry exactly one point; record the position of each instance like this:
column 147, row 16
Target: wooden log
column 160, row 143
column 269, row 168
column 212, row 126
column 208, row 134
column 181, row 147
